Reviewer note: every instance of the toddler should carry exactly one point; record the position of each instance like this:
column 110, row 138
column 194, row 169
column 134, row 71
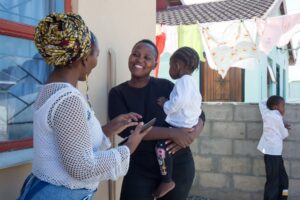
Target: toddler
column 182, row 109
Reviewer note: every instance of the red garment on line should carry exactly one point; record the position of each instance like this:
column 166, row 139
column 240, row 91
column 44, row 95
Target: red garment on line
column 160, row 44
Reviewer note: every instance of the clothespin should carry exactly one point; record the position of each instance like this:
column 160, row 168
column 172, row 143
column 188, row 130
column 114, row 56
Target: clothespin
column 158, row 29
column 180, row 24
column 201, row 27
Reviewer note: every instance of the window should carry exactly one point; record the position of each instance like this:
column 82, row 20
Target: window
column 21, row 11
column 284, row 84
column 270, row 77
column 22, row 70
column 277, row 79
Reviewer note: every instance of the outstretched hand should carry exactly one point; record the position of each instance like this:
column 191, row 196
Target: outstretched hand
column 136, row 137
column 121, row 122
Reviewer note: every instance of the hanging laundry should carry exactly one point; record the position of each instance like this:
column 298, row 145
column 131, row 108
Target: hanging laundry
column 189, row 35
column 229, row 44
column 277, row 31
column 171, row 44
column 160, row 44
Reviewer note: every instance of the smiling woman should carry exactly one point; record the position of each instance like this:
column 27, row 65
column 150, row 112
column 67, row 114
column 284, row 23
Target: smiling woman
column 140, row 95
column 142, row 60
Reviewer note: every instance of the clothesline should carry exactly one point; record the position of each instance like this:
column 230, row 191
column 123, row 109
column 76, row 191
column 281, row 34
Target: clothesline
column 293, row 11
column 232, row 43
column 289, row 49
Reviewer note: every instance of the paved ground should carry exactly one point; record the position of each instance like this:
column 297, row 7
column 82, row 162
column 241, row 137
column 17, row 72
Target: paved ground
column 198, row 198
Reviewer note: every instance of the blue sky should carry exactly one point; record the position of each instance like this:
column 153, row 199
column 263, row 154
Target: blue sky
column 293, row 6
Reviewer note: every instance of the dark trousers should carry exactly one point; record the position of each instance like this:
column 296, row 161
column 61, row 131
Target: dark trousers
column 165, row 161
column 144, row 177
column 277, row 179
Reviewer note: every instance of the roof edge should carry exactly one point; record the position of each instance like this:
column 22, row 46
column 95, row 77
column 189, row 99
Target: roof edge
column 276, row 5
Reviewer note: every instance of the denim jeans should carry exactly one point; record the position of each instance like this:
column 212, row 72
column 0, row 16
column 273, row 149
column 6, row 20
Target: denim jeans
column 35, row 189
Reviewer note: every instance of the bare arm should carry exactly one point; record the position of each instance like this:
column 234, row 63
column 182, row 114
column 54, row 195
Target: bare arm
column 120, row 123
column 173, row 147
column 178, row 135
column 75, row 146
column 182, row 137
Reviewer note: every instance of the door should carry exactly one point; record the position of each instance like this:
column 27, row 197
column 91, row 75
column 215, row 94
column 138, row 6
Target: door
column 214, row 88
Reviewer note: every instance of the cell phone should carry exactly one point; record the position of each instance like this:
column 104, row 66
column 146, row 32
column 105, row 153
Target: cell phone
column 145, row 127
column 148, row 124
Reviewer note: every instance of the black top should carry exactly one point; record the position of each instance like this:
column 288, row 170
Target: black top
column 124, row 98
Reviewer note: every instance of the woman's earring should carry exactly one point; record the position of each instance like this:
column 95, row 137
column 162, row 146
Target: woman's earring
column 87, row 89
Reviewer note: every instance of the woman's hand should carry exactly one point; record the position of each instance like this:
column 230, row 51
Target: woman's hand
column 183, row 137
column 136, row 137
column 121, row 122
column 197, row 129
column 172, row 147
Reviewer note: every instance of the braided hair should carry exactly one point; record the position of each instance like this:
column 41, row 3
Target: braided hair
column 188, row 56
column 149, row 42
column 274, row 101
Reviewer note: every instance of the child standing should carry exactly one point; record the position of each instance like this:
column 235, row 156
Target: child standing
column 270, row 144
column 182, row 109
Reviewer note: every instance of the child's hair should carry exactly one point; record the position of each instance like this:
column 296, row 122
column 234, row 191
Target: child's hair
column 188, row 56
column 274, row 101
column 146, row 41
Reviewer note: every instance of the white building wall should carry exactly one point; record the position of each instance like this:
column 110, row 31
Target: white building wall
column 118, row 25
column 294, row 91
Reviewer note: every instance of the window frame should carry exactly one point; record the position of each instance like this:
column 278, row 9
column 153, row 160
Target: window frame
column 278, row 82
column 23, row 31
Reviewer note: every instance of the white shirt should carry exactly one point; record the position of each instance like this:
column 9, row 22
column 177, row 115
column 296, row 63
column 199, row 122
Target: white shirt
column 70, row 148
column 273, row 131
column 184, row 106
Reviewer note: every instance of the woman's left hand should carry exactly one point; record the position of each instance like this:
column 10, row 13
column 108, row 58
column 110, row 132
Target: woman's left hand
column 197, row 129
column 172, row 147
column 121, row 122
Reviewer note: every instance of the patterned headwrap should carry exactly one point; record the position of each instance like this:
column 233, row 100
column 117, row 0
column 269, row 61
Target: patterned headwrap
column 62, row 38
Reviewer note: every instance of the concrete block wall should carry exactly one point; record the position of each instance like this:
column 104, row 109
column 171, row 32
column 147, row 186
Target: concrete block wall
column 228, row 165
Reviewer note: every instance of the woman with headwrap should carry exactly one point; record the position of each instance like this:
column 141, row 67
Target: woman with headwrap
column 70, row 146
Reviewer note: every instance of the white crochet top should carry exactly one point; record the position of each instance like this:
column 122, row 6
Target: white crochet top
column 70, row 148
